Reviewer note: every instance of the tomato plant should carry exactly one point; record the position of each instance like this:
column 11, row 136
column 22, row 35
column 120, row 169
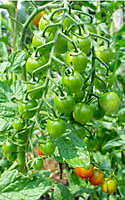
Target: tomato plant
column 8, row 146
column 48, row 147
column 37, row 163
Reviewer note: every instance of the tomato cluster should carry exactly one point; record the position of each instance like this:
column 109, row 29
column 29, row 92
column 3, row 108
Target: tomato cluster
column 95, row 177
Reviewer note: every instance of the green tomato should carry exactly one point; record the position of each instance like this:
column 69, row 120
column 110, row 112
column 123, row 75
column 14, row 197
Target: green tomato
column 8, row 147
column 85, row 45
column 25, row 106
column 73, row 82
column 98, row 113
column 11, row 156
column 34, row 63
column 109, row 186
column 36, row 94
column 48, row 148
column 61, row 45
column 82, row 113
column 37, row 163
column 79, row 62
column 37, row 41
column 109, row 102
column 64, row 104
column 42, row 24
column 68, row 59
column 106, row 55
column 79, row 95
column 56, row 127
column 18, row 124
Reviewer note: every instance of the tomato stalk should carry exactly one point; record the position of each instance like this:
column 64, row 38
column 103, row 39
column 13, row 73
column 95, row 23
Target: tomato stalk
column 48, row 26
column 83, row 13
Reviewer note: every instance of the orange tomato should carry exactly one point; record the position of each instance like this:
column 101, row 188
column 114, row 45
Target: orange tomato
column 37, row 18
column 84, row 173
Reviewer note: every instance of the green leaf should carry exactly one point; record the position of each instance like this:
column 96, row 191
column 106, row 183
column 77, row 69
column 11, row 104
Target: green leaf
column 4, row 66
column 114, row 143
column 88, row 4
column 76, row 190
column 7, row 110
column 3, row 124
column 17, row 60
column 73, row 150
column 4, row 39
column 61, row 192
column 15, row 186
column 5, row 93
column 18, row 89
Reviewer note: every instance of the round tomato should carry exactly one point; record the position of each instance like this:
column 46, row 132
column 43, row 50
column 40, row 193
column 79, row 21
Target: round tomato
column 109, row 102
column 56, row 127
column 85, row 44
column 37, row 163
column 80, row 130
column 36, row 94
column 25, row 106
column 40, row 153
column 18, row 124
column 97, row 178
column 106, row 55
column 37, row 18
column 98, row 113
column 79, row 62
column 48, row 147
column 34, row 63
column 64, row 104
column 8, row 147
column 84, row 173
column 37, row 41
column 109, row 186
column 73, row 82
column 79, row 95
column 82, row 113
column 11, row 156
column 61, row 45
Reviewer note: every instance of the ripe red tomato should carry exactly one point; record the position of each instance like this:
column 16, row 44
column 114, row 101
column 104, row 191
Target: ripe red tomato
column 84, row 173
column 97, row 178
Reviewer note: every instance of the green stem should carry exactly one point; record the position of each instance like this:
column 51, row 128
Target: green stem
column 42, row 46
column 98, row 11
column 59, row 61
column 48, row 26
column 83, row 13
column 15, row 20
column 34, row 4
column 107, row 67
column 99, row 36
column 62, row 94
column 56, row 10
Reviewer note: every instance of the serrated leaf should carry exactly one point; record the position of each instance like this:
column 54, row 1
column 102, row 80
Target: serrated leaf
column 61, row 192
column 15, row 186
column 3, row 124
column 17, row 60
column 4, row 66
column 5, row 92
column 18, row 89
column 7, row 110
column 73, row 150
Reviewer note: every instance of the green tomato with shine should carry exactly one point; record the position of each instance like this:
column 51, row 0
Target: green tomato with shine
column 56, row 127
column 47, row 148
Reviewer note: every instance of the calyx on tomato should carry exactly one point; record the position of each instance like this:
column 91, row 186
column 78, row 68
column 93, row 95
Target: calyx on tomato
column 109, row 186
column 109, row 102
column 64, row 104
column 97, row 178
column 73, row 82
column 47, row 147
column 24, row 108
column 84, row 173
column 82, row 113
column 56, row 127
